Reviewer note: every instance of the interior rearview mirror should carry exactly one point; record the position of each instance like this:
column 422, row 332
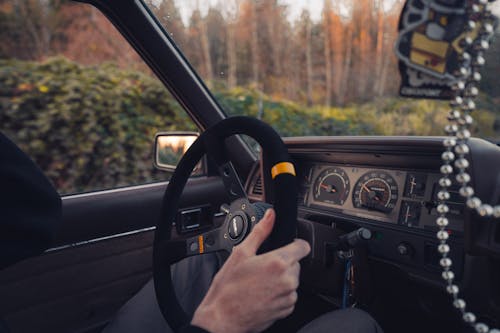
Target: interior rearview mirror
column 170, row 147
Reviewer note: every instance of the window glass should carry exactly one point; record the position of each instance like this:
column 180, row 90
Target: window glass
column 78, row 99
column 316, row 67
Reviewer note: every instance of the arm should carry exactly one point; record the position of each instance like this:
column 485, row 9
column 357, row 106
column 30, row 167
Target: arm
column 252, row 291
column 30, row 206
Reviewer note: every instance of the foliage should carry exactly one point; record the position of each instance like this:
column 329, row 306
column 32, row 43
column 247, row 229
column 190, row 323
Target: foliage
column 345, row 55
column 383, row 116
column 30, row 28
column 92, row 127
column 86, row 127
column 288, row 118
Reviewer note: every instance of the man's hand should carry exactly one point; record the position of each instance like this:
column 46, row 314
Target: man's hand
column 251, row 291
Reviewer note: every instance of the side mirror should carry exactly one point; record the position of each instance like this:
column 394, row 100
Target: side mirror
column 170, row 147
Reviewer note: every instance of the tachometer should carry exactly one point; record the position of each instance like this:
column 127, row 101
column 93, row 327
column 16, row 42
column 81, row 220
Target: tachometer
column 332, row 186
column 376, row 190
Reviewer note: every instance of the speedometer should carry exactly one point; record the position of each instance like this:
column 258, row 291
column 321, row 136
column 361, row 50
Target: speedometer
column 376, row 190
column 332, row 186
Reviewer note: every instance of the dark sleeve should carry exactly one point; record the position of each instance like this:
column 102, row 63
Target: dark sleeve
column 193, row 329
column 30, row 207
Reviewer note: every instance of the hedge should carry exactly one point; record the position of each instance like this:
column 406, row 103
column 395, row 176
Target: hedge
column 86, row 127
column 92, row 127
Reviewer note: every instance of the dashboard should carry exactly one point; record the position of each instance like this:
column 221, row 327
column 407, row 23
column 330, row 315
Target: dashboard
column 389, row 185
column 405, row 198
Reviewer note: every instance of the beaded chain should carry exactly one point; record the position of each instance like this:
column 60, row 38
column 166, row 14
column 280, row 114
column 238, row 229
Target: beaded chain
column 457, row 149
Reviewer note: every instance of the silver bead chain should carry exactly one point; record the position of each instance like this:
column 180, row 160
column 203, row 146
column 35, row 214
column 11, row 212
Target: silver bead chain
column 457, row 149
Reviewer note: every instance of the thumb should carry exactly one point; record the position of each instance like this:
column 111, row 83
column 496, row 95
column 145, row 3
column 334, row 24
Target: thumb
column 260, row 232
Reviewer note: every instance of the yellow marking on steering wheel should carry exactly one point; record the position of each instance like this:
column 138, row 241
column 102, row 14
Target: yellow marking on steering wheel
column 282, row 167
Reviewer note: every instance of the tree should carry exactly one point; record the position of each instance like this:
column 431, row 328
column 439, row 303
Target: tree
column 305, row 38
column 168, row 15
column 255, row 44
column 327, row 9
column 231, row 12
column 205, row 46
column 28, row 28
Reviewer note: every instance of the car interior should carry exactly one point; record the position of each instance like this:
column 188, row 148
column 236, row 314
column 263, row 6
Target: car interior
column 370, row 202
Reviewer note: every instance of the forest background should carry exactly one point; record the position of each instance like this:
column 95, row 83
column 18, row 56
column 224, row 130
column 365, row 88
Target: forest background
column 66, row 72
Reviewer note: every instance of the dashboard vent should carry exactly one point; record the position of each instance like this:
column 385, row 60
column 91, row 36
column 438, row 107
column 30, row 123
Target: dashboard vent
column 257, row 186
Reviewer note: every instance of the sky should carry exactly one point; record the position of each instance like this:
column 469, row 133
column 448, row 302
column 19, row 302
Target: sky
column 295, row 7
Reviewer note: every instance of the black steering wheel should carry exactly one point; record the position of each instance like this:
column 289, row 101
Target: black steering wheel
column 242, row 215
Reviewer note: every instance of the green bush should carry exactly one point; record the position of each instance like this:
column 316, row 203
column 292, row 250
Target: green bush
column 288, row 118
column 385, row 116
column 92, row 127
column 86, row 127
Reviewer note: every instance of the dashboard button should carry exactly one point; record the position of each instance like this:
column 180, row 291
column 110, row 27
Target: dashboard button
column 404, row 249
column 235, row 227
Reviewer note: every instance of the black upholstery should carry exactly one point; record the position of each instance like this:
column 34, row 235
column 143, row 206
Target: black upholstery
column 30, row 208
column 3, row 327
column 167, row 252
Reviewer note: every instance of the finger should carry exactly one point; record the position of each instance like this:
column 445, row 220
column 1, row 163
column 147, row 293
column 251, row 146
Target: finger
column 260, row 232
column 285, row 312
column 292, row 252
column 287, row 301
column 294, row 270
column 282, row 302
column 290, row 281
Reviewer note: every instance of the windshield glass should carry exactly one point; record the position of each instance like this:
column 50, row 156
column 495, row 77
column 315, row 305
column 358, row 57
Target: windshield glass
column 315, row 67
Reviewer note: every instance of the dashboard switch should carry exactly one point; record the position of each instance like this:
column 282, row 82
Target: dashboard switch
column 405, row 249
column 354, row 239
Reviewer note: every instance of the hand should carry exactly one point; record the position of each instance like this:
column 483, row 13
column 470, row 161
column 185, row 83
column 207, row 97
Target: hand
column 251, row 291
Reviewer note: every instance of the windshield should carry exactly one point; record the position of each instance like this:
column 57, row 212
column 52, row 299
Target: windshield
column 314, row 67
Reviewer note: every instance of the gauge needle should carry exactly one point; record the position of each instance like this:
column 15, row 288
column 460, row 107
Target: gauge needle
column 408, row 215
column 370, row 191
column 328, row 189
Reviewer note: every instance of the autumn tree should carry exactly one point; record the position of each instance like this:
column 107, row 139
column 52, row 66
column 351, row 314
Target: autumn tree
column 231, row 12
column 29, row 28
column 327, row 31
column 344, row 56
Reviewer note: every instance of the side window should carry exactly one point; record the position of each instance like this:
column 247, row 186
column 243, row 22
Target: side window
column 78, row 99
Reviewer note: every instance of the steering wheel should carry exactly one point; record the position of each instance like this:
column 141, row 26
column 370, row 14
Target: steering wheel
column 242, row 215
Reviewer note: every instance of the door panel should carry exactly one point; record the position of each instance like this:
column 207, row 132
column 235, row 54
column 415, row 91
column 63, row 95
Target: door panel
column 71, row 288
column 83, row 287
column 104, row 213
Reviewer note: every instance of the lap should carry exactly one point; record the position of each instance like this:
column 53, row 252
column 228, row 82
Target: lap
column 343, row 321
column 191, row 278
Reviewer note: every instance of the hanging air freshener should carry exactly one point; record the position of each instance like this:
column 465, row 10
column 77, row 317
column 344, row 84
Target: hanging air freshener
column 432, row 46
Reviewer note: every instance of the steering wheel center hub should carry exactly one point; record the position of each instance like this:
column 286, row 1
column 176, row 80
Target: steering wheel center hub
column 240, row 219
column 236, row 225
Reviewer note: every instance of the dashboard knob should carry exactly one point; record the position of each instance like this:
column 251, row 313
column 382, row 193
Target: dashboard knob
column 404, row 249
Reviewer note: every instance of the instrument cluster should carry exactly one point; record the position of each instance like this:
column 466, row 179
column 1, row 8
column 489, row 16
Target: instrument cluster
column 401, row 197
